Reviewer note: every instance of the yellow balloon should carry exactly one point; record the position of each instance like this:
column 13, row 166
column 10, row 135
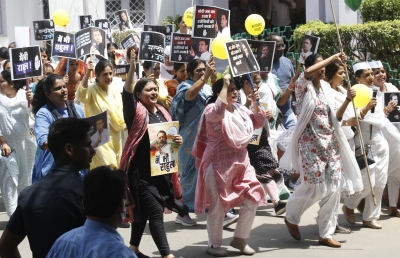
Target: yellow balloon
column 61, row 17
column 188, row 16
column 363, row 95
column 254, row 24
column 218, row 46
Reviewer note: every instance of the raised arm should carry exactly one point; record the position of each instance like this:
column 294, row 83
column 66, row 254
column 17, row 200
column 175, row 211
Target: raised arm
column 318, row 66
column 130, row 82
column 81, row 93
column 191, row 93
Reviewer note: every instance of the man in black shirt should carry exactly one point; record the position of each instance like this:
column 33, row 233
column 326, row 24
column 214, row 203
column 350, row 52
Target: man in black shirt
column 52, row 205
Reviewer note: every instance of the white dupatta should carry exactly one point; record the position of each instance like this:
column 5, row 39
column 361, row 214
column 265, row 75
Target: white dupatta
column 291, row 160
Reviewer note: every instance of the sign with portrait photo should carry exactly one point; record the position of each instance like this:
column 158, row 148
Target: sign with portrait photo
column 104, row 25
column 43, row 29
column 163, row 150
column 25, row 62
column 90, row 41
column 393, row 116
column 123, row 20
column 85, row 21
column 210, row 21
column 99, row 130
column 240, row 57
column 63, row 44
column 152, row 46
column 263, row 51
column 164, row 29
column 309, row 46
column 120, row 61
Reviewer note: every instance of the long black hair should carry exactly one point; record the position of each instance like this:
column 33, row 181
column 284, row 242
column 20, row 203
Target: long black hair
column 331, row 69
column 310, row 60
column 177, row 66
column 18, row 84
column 101, row 65
column 192, row 65
column 43, row 86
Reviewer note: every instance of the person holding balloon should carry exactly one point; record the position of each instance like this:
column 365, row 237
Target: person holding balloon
column 373, row 121
column 319, row 150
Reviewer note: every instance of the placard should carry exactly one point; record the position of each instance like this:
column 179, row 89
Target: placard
column 241, row 58
column 63, row 44
column 90, row 41
column 181, row 48
column 128, row 41
column 393, row 116
column 164, row 29
column 123, row 20
column 43, row 30
column 99, row 130
column 120, row 61
column 264, row 52
column 85, row 21
column 104, row 25
column 309, row 46
column 151, row 46
column 25, row 62
column 163, row 151
column 210, row 21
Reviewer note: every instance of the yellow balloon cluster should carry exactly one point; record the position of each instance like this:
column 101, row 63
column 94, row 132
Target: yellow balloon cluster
column 218, row 46
column 363, row 95
column 188, row 16
column 61, row 17
column 254, row 24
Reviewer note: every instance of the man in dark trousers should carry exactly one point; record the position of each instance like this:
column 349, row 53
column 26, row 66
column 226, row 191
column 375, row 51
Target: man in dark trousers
column 52, row 205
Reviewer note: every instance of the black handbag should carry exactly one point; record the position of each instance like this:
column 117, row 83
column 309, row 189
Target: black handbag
column 368, row 152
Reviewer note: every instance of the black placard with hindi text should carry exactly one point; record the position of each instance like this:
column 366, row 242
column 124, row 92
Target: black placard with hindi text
column 63, row 44
column 241, row 58
column 43, row 29
column 25, row 62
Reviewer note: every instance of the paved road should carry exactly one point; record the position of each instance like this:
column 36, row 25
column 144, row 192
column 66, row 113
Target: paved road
column 270, row 238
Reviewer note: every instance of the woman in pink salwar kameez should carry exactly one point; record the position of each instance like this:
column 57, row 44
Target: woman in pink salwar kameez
column 226, row 178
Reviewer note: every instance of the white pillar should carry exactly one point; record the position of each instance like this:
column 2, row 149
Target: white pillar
column 344, row 15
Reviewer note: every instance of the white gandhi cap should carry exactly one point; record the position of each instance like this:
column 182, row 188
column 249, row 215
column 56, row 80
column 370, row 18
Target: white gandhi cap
column 375, row 64
column 359, row 66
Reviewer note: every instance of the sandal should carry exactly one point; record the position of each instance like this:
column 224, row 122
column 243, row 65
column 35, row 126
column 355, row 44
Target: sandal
column 342, row 230
column 395, row 213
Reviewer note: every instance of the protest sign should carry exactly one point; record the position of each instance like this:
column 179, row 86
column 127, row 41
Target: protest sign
column 181, row 48
column 63, row 44
column 241, row 59
column 99, row 130
column 152, row 46
column 128, row 41
column 164, row 29
column 90, row 41
column 163, row 151
column 210, row 21
column 43, row 29
column 263, row 51
column 104, row 25
column 85, row 21
column 393, row 116
column 25, row 62
column 308, row 47
column 120, row 61
column 123, row 20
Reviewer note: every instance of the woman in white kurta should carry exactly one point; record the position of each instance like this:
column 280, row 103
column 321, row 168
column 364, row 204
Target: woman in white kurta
column 371, row 126
column 19, row 149
column 391, row 134
column 319, row 151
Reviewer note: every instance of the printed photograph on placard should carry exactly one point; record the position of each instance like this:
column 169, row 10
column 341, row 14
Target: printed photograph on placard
column 25, row 62
column 263, row 51
column 210, row 21
column 181, row 48
column 90, row 41
column 393, row 116
column 63, row 44
column 308, row 47
column 163, row 150
column 241, row 58
column 85, row 21
column 120, row 61
column 164, row 29
column 99, row 130
column 201, row 49
column 104, row 25
column 123, row 20
column 152, row 46
column 43, row 29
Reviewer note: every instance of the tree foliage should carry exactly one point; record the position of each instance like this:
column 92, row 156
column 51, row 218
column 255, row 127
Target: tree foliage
column 380, row 10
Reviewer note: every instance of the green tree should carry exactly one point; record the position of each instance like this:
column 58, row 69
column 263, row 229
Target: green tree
column 380, row 10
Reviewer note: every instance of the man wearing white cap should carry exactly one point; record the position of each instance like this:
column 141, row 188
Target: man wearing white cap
column 388, row 93
column 167, row 68
column 372, row 125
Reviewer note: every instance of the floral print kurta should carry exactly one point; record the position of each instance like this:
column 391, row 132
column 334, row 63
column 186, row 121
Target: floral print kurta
column 318, row 145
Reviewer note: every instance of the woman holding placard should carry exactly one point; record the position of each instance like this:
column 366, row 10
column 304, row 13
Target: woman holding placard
column 150, row 196
column 97, row 98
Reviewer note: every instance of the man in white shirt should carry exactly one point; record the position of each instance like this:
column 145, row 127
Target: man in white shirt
column 164, row 147
column 224, row 26
column 203, row 48
column 101, row 136
column 278, row 12
column 306, row 50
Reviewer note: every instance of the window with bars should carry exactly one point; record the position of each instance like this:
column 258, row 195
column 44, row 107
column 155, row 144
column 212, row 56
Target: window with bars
column 137, row 9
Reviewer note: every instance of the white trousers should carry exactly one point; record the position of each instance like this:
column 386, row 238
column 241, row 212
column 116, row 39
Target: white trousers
column 216, row 214
column 393, row 190
column 305, row 195
column 9, row 183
